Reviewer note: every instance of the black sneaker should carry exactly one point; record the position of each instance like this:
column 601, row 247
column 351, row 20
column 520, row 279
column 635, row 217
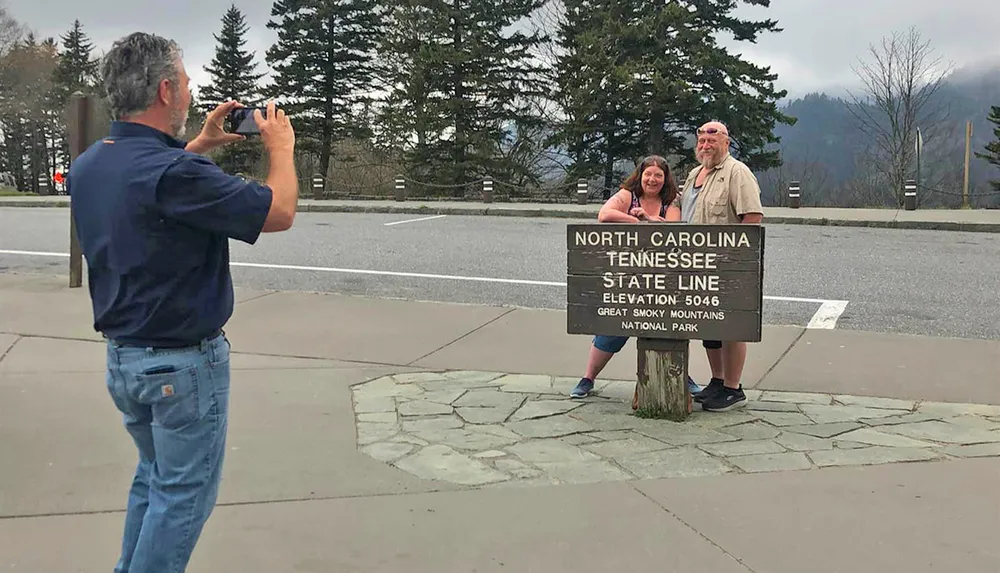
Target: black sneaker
column 713, row 388
column 725, row 400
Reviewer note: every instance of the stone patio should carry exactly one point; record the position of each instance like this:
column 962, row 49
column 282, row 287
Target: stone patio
column 495, row 429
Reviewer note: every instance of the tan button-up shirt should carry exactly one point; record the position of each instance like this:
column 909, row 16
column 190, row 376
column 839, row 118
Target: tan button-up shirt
column 730, row 190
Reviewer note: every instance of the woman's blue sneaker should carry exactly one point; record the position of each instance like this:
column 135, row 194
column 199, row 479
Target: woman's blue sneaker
column 692, row 387
column 583, row 389
column 586, row 386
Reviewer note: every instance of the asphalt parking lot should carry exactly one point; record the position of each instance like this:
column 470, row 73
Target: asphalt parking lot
column 917, row 282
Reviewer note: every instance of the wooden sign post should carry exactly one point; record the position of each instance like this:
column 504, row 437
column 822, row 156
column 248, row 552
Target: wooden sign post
column 86, row 124
column 665, row 284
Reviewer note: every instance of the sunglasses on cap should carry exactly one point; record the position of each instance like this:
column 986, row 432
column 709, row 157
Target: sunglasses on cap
column 711, row 131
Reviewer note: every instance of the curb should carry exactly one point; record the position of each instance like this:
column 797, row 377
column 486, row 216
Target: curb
column 906, row 225
column 424, row 209
column 556, row 213
column 34, row 203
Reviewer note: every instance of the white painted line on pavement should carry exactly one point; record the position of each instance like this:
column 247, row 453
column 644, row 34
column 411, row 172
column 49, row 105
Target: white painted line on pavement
column 396, row 274
column 797, row 299
column 827, row 315
column 414, row 220
column 34, row 253
column 825, row 318
column 340, row 270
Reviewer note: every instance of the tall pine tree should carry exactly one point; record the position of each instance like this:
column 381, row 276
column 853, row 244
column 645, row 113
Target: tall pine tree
column 595, row 81
column 233, row 76
column 992, row 154
column 76, row 70
column 233, row 71
column 704, row 81
column 323, row 68
column 464, row 74
column 405, row 113
column 26, row 84
column 660, row 73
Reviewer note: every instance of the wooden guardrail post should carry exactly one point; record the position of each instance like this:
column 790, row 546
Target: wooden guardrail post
column 318, row 186
column 910, row 195
column 794, row 195
column 43, row 184
column 582, row 191
column 488, row 190
column 400, row 188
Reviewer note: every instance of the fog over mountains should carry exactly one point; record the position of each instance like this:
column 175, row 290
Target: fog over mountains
column 827, row 151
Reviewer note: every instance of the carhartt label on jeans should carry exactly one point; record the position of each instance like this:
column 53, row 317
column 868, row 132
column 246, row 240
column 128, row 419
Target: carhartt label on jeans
column 167, row 390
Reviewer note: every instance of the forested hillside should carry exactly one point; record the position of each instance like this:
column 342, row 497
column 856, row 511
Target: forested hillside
column 828, row 152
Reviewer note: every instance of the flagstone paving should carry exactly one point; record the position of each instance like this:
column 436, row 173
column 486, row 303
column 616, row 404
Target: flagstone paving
column 496, row 429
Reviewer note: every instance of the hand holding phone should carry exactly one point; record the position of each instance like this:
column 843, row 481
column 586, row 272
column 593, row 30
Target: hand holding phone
column 275, row 129
column 241, row 121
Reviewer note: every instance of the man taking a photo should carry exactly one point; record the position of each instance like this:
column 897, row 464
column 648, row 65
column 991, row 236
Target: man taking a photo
column 154, row 219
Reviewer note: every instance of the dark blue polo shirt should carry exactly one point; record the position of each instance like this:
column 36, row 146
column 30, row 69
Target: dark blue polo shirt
column 154, row 222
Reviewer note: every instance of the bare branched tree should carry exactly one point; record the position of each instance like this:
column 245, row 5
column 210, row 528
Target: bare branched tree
column 899, row 85
column 808, row 169
column 11, row 31
column 869, row 187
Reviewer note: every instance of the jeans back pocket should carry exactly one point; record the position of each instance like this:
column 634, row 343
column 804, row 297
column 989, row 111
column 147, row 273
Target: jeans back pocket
column 171, row 391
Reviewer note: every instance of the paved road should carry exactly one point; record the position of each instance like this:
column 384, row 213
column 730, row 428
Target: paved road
column 918, row 282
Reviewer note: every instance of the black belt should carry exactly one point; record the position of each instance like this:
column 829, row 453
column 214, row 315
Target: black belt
column 173, row 344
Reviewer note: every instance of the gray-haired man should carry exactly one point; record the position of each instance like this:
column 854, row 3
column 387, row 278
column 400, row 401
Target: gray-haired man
column 154, row 220
column 721, row 190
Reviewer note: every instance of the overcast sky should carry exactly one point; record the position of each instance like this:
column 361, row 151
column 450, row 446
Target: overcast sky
column 820, row 41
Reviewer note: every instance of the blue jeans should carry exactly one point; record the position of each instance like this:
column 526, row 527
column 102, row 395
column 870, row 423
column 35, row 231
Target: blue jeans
column 614, row 344
column 175, row 405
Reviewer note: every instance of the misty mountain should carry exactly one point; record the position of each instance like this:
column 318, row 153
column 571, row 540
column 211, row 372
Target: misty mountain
column 827, row 151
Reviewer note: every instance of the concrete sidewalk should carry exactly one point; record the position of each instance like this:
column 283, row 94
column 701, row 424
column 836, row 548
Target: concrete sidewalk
column 973, row 220
column 387, row 435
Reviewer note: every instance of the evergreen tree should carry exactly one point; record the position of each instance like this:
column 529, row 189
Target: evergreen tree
column 323, row 68
column 712, row 83
column 77, row 69
column 639, row 77
column 594, row 85
column 233, row 75
column 28, row 70
column 233, row 71
column 461, row 74
column 992, row 154
column 196, row 120
column 406, row 113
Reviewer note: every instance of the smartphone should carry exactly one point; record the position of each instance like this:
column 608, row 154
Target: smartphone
column 241, row 120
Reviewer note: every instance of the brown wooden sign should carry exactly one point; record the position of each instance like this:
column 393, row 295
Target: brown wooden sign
column 665, row 280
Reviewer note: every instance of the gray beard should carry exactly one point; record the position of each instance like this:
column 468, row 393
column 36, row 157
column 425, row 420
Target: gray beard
column 709, row 161
column 178, row 123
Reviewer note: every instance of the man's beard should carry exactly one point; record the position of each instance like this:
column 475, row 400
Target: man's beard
column 178, row 122
column 708, row 159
